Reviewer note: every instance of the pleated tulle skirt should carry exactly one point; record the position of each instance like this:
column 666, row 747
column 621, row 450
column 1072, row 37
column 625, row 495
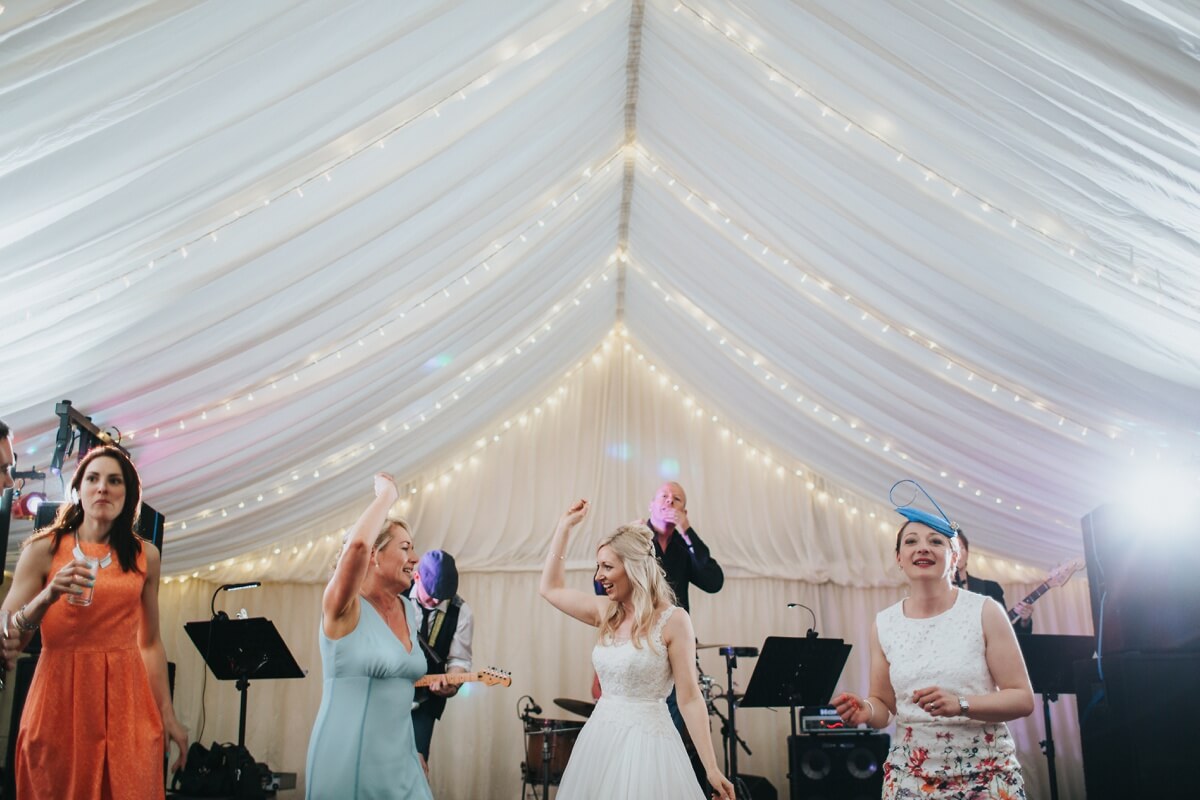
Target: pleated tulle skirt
column 630, row 749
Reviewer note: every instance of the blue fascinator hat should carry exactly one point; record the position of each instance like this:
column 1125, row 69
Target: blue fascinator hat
column 941, row 524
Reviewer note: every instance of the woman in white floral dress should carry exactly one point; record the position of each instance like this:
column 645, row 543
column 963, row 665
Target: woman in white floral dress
column 946, row 662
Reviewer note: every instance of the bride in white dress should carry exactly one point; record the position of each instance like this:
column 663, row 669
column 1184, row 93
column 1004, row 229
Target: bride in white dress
column 629, row 747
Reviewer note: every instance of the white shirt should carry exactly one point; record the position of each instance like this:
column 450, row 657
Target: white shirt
column 460, row 645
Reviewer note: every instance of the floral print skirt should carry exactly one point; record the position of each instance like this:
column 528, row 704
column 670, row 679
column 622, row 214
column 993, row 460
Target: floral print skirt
column 934, row 762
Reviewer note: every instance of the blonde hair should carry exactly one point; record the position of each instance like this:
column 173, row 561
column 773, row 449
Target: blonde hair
column 634, row 546
column 384, row 536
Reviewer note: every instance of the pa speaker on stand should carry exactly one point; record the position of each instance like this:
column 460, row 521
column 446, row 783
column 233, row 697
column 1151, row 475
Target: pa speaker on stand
column 845, row 766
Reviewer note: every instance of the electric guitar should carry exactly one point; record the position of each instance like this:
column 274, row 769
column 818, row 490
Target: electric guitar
column 1057, row 577
column 488, row 677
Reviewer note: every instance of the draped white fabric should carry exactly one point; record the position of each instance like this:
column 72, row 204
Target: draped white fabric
column 278, row 246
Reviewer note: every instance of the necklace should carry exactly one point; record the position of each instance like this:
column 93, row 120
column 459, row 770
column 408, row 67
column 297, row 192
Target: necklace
column 81, row 556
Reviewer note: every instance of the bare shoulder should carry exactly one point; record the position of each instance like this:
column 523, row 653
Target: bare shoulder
column 153, row 562
column 37, row 554
column 679, row 623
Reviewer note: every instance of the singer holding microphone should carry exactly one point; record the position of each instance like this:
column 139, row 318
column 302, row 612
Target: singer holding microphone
column 99, row 706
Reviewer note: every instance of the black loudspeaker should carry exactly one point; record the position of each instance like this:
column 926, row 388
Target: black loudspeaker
column 1142, row 580
column 758, row 787
column 1137, row 726
column 838, row 766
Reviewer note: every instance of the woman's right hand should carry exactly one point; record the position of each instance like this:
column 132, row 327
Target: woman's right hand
column 574, row 515
column 73, row 578
column 385, row 486
column 10, row 641
column 852, row 709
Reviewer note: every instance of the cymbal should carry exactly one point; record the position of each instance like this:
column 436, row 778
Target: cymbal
column 581, row 707
column 710, row 646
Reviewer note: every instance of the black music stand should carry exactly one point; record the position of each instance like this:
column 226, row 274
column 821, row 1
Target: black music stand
column 241, row 649
column 1050, row 659
column 795, row 671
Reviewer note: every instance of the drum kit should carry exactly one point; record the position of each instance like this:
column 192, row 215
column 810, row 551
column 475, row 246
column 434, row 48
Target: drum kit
column 548, row 744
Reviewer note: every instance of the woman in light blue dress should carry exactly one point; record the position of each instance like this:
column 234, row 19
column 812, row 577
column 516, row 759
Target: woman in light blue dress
column 362, row 742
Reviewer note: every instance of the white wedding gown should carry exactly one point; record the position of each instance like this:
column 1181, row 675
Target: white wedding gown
column 629, row 747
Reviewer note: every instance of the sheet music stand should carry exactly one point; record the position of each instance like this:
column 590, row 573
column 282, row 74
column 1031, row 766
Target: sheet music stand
column 1050, row 659
column 795, row 671
column 241, row 649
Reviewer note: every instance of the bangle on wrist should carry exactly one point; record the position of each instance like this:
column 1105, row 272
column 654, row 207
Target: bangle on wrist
column 867, row 702
column 22, row 622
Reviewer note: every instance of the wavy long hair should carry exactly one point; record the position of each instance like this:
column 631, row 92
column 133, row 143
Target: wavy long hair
column 634, row 546
column 121, row 536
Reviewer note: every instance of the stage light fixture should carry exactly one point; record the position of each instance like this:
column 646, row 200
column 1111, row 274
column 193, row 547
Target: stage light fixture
column 27, row 505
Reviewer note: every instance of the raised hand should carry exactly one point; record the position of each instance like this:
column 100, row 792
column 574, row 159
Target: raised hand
column 385, row 486
column 575, row 514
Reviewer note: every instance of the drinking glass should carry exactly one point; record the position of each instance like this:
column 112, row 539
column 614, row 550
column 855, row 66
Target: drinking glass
column 84, row 598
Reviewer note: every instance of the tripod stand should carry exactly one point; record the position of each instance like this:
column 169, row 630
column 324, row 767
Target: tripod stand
column 729, row 735
column 1049, row 659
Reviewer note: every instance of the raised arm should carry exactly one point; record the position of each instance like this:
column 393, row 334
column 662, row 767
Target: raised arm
column 341, row 593
column 705, row 573
column 680, row 639
column 580, row 605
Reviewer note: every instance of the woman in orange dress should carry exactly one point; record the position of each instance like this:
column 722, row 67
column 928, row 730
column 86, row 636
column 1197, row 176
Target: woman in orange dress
column 98, row 708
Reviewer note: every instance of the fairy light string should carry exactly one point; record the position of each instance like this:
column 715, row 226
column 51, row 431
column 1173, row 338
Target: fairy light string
column 1128, row 280
column 362, row 343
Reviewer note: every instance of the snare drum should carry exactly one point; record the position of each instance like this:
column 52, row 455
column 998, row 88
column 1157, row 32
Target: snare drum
column 561, row 742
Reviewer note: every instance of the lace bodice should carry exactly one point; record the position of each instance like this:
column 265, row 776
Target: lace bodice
column 946, row 651
column 642, row 673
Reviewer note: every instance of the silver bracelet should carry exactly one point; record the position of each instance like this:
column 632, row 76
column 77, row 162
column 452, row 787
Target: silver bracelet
column 22, row 622
column 868, row 702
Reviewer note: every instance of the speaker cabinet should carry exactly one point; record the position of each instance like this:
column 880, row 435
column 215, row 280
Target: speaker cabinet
column 1137, row 727
column 837, row 766
column 1142, row 579
column 758, row 787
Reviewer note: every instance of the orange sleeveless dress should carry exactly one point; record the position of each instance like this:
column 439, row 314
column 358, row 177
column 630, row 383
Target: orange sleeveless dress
column 91, row 729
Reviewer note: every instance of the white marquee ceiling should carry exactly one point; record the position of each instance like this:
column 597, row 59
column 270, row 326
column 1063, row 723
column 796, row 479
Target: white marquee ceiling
column 261, row 239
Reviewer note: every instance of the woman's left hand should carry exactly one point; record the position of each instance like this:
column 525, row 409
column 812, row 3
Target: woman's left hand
column 722, row 789
column 178, row 734
column 937, row 702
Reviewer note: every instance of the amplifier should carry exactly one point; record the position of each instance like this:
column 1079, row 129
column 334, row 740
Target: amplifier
column 822, row 719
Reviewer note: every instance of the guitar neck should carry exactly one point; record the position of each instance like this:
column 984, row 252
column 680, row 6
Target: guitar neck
column 452, row 678
column 1030, row 599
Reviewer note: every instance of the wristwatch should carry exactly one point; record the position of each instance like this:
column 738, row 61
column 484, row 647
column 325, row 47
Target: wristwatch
column 963, row 705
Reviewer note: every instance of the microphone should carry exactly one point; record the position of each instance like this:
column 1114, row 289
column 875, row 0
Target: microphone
column 534, row 708
column 812, row 632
